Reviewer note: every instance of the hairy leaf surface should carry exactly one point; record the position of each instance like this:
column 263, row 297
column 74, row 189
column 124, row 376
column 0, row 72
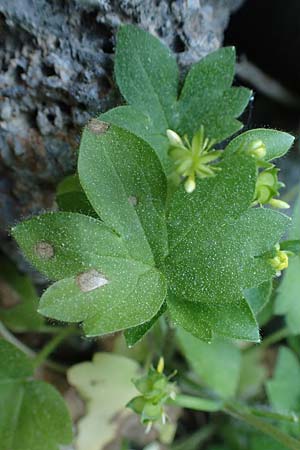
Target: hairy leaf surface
column 147, row 75
column 216, row 250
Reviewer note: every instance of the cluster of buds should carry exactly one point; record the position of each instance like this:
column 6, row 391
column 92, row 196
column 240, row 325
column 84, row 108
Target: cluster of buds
column 155, row 390
column 280, row 260
column 267, row 187
column 194, row 159
column 267, row 184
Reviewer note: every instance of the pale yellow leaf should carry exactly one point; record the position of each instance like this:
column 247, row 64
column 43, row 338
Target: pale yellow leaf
column 106, row 385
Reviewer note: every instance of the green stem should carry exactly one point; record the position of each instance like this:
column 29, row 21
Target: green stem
column 196, row 403
column 288, row 441
column 196, row 439
column 270, row 340
column 272, row 415
column 275, row 337
column 8, row 336
column 52, row 345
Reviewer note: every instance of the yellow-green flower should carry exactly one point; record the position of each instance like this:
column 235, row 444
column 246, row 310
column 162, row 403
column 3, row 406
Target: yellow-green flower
column 280, row 261
column 194, row 159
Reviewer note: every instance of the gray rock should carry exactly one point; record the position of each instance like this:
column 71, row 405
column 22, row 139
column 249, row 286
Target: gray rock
column 56, row 64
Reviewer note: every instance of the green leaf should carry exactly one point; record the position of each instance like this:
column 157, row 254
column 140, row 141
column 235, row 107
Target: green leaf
column 125, row 184
column 252, row 373
column 284, row 388
column 71, row 197
column 277, row 142
column 292, row 245
column 207, row 93
column 259, row 442
column 288, row 298
column 217, row 364
column 134, row 335
column 18, row 300
column 106, row 385
column 33, row 415
column 147, row 75
column 141, row 125
column 100, row 283
column 259, row 296
column 217, row 245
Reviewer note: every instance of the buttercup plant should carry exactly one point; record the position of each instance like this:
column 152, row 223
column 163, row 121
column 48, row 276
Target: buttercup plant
column 189, row 254
column 163, row 219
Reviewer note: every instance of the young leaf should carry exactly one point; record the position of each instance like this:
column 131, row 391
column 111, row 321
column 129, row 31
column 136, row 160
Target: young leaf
column 147, row 75
column 288, row 298
column 33, row 415
column 277, row 143
column 207, row 92
column 106, row 385
column 18, row 300
column 284, row 388
column 216, row 248
column 217, row 364
column 101, row 284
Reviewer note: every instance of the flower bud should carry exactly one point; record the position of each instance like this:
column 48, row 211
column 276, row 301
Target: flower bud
column 190, row 185
column 257, row 149
column 174, row 138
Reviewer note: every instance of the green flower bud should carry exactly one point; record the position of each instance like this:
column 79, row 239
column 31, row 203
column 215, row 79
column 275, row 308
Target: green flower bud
column 267, row 187
column 174, row 138
column 280, row 261
column 257, row 149
column 156, row 390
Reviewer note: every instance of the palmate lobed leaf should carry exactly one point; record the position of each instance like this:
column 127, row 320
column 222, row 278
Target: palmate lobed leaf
column 106, row 270
column 215, row 238
column 147, row 75
column 33, row 415
column 216, row 242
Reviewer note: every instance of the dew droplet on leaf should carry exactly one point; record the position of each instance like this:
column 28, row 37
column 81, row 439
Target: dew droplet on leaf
column 90, row 280
column 44, row 250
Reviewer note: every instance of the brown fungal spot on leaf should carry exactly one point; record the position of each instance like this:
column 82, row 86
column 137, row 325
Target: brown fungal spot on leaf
column 8, row 296
column 44, row 250
column 97, row 126
column 90, row 280
column 133, row 200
